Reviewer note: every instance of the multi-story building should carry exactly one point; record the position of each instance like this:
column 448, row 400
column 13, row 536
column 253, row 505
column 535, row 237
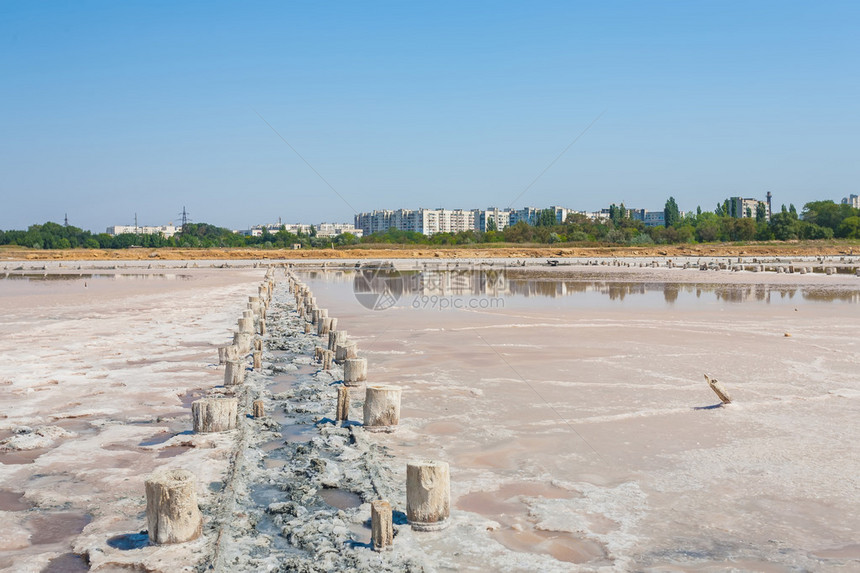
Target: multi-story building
column 166, row 231
column 431, row 221
column 853, row 200
column 740, row 207
column 321, row 230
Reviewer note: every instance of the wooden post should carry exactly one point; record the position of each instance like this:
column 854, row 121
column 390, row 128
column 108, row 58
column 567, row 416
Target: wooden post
column 354, row 371
column 382, row 528
column 214, row 414
column 325, row 325
column 234, row 373
column 222, row 354
column 342, row 414
column 259, row 409
column 172, row 515
column 345, row 350
column 428, row 495
column 327, row 358
column 308, row 327
column 336, row 337
column 381, row 408
column 719, row 390
column 261, row 330
column 258, row 344
column 258, row 360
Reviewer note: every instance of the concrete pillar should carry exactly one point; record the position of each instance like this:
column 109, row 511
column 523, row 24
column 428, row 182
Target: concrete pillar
column 381, row 525
column 214, row 414
column 259, row 409
column 354, row 371
column 172, row 515
column 381, row 408
column 342, row 414
column 428, row 495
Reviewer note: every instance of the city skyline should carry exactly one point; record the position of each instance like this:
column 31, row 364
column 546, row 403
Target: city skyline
column 324, row 111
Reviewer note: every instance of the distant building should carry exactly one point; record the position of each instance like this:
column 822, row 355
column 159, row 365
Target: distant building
column 322, row 230
column 740, row 207
column 853, row 200
column 166, row 231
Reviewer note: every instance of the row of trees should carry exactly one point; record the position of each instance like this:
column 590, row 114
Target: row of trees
column 818, row 220
column 193, row 235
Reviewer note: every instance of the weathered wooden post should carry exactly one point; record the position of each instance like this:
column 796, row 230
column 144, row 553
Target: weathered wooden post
column 381, row 525
column 172, row 515
column 243, row 341
column 719, row 390
column 345, row 350
column 222, row 354
column 258, row 360
column 234, row 373
column 325, row 325
column 327, row 359
column 428, row 495
column 381, row 408
column 354, row 371
column 259, row 409
column 214, row 414
column 342, row 414
column 261, row 327
column 336, row 337
column 258, row 344
column 308, row 327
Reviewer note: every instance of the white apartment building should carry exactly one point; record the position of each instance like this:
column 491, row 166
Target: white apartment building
column 322, row 230
column 166, row 231
column 853, row 200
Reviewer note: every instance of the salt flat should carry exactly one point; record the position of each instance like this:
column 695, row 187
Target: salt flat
column 574, row 414
column 579, row 426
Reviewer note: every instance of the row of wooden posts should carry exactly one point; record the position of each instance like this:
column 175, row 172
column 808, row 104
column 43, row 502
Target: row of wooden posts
column 428, row 493
column 172, row 514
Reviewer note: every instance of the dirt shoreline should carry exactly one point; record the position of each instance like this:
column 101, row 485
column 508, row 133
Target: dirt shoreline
column 793, row 249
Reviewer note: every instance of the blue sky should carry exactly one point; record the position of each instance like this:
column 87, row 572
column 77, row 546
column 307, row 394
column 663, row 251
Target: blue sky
column 108, row 109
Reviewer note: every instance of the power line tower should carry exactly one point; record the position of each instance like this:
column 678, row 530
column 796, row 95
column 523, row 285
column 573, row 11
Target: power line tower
column 184, row 216
column 66, row 221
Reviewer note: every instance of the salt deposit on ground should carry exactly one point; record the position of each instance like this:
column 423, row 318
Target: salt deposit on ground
column 579, row 429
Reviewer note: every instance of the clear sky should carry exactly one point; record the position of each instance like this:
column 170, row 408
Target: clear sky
column 113, row 108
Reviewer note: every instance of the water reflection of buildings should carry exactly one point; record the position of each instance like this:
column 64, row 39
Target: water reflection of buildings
column 498, row 283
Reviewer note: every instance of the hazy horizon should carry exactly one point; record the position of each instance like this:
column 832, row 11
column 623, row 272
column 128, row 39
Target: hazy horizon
column 114, row 109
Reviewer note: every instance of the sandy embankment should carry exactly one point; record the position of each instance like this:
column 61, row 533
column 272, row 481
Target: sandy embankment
column 788, row 249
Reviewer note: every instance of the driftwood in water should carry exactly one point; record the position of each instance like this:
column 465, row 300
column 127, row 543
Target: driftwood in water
column 719, row 390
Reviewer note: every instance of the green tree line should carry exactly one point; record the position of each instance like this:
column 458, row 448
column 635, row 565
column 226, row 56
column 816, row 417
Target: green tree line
column 818, row 220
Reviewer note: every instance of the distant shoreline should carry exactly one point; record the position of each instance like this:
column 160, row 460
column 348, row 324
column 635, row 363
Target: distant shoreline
column 752, row 249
